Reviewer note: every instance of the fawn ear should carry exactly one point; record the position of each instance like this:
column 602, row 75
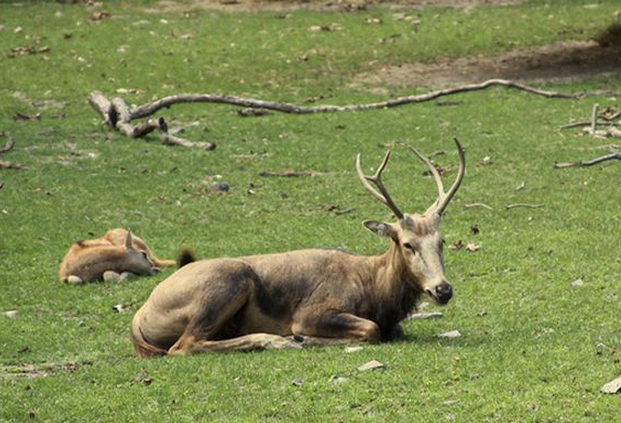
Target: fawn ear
column 382, row 229
column 129, row 240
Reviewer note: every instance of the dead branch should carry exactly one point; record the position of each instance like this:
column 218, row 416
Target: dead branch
column 594, row 118
column 119, row 116
column 524, row 206
column 578, row 124
column 288, row 174
column 610, row 132
column 151, row 108
column 586, row 163
column 9, row 165
column 8, row 146
column 473, row 205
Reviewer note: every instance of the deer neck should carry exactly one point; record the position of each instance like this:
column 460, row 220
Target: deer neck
column 394, row 288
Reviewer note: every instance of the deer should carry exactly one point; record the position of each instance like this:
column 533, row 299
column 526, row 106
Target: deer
column 118, row 237
column 89, row 261
column 307, row 297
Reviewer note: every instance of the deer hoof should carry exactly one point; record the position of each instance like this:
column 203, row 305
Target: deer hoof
column 278, row 343
column 74, row 280
column 111, row 276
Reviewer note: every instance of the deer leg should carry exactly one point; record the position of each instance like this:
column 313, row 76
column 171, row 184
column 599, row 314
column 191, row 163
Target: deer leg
column 189, row 344
column 216, row 311
column 336, row 328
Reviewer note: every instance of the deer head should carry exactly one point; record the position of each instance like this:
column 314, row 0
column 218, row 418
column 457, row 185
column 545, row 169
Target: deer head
column 418, row 244
column 137, row 261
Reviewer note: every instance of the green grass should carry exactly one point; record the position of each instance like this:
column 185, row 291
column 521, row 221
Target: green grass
column 533, row 348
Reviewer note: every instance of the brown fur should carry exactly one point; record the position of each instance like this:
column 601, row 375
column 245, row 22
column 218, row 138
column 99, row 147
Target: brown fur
column 117, row 237
column 87, row 261
column 299, row 298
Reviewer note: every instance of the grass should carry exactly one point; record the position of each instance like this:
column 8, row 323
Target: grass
column 533, row 348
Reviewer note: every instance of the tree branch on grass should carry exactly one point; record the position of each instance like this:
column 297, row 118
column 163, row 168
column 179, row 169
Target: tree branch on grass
column 288, row 174
column 119, row 116
column 586, row 163
column 9, row 165
column 523, row 206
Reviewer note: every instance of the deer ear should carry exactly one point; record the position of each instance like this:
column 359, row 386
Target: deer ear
column 381, row 229
column 129, row 240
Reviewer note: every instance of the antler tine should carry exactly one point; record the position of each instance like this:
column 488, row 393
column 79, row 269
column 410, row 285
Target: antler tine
column 446, row 198
column 384, row 197
column 433, row 170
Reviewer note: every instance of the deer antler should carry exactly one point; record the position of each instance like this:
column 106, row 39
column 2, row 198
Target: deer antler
column 384, row 197
column 444, row 197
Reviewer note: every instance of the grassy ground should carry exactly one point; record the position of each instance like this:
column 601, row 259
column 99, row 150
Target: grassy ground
column 533, row 348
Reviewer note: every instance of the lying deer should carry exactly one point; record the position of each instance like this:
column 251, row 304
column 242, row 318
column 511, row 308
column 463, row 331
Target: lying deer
column 115, row 256
column 306, row 297
column 118, row 237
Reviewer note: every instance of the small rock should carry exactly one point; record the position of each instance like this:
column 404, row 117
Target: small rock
column 450, row 334
column 354, row 349
column 297, row 381
column 371, row 365
column 424, row 316
column 11, row 314
column 612, row 387
column 577, row 282
column 338, row 379
column 119, row 308
column 220, row 187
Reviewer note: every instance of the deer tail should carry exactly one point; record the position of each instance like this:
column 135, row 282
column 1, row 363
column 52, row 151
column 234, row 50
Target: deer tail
column 186, row 257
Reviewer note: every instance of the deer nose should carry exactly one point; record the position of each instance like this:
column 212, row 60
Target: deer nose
column 444, row 292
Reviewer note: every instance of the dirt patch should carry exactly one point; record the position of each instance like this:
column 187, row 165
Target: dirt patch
column 168, row 6
column 559, row 62
column 33, row 371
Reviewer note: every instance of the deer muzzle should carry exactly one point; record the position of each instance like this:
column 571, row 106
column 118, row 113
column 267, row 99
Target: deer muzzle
column 440, row 293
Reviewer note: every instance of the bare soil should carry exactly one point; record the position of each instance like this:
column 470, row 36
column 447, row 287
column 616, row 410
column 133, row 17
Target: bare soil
column 563, row 61
column 559, row 62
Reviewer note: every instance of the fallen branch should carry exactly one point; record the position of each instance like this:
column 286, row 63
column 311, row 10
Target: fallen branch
column 473, row 205
column 610, row 132
column 578, row 124
column 586, row 163
column 9, row 165
column 524, row 206
column 288, row 174
column 151, row 108
column 117, row 114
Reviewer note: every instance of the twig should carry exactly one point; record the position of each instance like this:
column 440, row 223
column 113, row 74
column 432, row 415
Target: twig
column 594, row 118
column 8, row 146
column 586, row 163
column 344, row 211
column 473, row 205
column 9, row 165
column 524, row 206
column 577, row 124
column 288, row 174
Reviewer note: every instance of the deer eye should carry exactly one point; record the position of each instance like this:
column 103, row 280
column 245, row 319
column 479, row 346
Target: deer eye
column 144, row 254
column 408, row 246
